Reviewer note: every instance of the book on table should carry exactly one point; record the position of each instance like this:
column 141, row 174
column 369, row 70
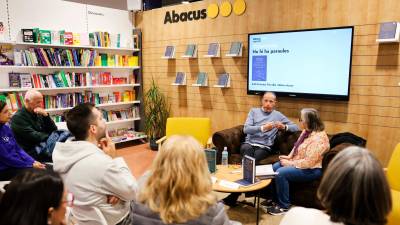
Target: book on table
column 265, row 172
column 249, row 171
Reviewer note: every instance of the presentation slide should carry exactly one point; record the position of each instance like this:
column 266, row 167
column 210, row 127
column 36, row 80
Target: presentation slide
column 312, row 62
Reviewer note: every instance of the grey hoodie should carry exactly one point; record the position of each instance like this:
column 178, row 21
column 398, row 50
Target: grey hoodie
column 91, row 175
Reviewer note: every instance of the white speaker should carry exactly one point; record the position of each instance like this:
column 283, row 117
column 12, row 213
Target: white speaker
column 134, row 5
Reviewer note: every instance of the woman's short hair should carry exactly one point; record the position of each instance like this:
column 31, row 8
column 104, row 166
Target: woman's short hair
column 311, row 117
column 29, row 196
column 354, row 189
column 179, row 187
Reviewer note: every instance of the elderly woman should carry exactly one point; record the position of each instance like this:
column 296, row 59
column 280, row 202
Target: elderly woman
column 304, row 162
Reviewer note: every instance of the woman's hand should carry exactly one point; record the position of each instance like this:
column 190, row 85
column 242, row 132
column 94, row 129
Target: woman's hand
column 285, row 157
column 38, row 165
column 286, row 162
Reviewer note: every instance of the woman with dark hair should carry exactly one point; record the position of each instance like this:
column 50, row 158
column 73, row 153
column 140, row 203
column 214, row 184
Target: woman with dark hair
column 304, row 162
column 354, row 191
column 13, row 159
column 35, row 197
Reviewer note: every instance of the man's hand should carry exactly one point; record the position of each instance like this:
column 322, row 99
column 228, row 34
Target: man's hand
column 286, row 162
column 279, row 125
column 38, row 165
column 268, row 126
column 108, row 146
column 40, row 111
column 113, row 200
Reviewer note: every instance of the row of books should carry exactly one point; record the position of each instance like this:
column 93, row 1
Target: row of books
column 213, row 50
column 14, row 100
column 202, row 79
column 70, row 57
column 73, row 99
column 123, row 134
column 123, row 114
column 61, row 37
column 62, row 79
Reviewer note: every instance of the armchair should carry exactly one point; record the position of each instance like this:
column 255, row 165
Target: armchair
column 393, row 177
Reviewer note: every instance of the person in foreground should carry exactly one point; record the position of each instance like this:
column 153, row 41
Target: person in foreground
column 304, row 162
column 261, row 127
column 35, row 197
column 354, row 191
column 101, row 182
column 34, row 130
column 13, row 159
column 178, row 188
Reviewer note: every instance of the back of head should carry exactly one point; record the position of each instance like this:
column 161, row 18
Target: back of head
column 79, row 119
column 354, row 189
column 180, row 187
column 28, row 197
column 312, row 118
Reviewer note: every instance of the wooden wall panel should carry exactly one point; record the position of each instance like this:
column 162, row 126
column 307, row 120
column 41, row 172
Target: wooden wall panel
column 373, row 111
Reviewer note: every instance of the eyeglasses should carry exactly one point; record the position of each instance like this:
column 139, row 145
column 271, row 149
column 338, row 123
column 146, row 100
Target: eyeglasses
column 69, row 199
column 300, row 120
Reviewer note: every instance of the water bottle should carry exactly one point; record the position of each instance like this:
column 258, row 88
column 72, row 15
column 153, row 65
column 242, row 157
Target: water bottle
column 224, row 158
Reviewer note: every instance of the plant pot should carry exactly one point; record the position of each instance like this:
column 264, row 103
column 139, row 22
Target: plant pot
column 153, row 144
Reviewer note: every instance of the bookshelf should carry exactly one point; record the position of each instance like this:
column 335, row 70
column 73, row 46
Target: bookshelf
column 133, row 82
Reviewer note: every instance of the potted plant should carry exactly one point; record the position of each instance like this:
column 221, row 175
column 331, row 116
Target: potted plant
column 156, row 113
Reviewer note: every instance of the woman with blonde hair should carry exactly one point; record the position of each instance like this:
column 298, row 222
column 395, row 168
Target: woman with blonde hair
column 354, row 191
column 179, row 188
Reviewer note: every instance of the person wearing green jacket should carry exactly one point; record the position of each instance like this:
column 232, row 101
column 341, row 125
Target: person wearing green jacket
column 32, row 125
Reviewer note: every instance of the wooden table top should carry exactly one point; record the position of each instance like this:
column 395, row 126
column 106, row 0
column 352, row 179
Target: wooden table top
column 229, row 173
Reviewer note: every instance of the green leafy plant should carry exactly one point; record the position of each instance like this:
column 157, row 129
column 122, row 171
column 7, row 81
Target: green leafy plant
column 157, row 111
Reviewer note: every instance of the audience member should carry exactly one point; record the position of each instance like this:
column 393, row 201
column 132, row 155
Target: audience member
column 101, row 182
column 35, row 197
column 34, row 130
column 179, row 188
column 354, row 191
column 13, row 159
column 304, row 162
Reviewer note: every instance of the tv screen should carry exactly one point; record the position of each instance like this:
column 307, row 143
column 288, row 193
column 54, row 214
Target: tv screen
column 303, row 63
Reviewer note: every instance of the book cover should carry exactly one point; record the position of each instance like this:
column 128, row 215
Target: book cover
column 17, row 57
column 169, row 51
column 223, row 79
column 235, row 48
column 190, row 49
column 387, row 30
column 68, row 38
column 213, row 49
column 27, row 35
column 55, row 37
column 180, row 78
column 45, row 36
column 76, row 39
column 211, row 156
column 249, row 171
column 13, row 80
column 25, row 80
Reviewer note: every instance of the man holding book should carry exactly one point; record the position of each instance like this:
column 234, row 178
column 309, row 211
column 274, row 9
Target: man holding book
column 34, row 130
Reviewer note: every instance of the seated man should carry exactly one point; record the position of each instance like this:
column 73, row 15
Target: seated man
column 34, row 130
column 261, row 127
column 102, row 183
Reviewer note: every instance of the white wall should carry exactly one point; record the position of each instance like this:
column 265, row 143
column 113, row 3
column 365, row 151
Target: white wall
column 4, row 19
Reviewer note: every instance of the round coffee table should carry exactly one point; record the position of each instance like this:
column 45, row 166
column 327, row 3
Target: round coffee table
column 234, row 173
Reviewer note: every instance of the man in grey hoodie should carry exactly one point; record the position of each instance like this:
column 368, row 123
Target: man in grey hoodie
column 261, row 127
column 101, row 183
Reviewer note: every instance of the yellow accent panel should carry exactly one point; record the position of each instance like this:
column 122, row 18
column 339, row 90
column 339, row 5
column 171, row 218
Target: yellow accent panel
column 393, row 169
column 198, row 127
column 212, row 10
column 226, row 8
column 239, row 6
column 394, row 216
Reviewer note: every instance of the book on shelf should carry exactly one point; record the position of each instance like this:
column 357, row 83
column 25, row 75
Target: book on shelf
column 14, row 80
column 76, row 39
column 68, row 38
column 388, row 30
column 27, row 35
column 190, row 50
column 169, row 51
column 122, row 114
column 202, row 79
column 25, row 80
column 213, row 49
column 14, row 100
column 55, row 37
column 45, row 36
column 236, row 49
column 223, row 80
column 180, row 78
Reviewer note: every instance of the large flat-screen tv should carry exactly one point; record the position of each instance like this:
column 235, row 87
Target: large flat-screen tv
column 302, row 63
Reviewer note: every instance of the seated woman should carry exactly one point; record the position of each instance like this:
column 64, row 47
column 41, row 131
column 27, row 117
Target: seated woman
column 304, row 162
column 179, row 188
column 35, row 197
column 354, row 190
column 13, row 159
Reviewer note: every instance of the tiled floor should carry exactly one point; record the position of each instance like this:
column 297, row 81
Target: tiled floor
column 139, row 159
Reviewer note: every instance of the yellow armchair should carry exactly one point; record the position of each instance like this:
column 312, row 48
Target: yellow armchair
column 198, row 127
column 393, row 176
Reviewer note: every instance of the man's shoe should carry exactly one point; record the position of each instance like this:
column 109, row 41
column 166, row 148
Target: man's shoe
column 276, row 210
